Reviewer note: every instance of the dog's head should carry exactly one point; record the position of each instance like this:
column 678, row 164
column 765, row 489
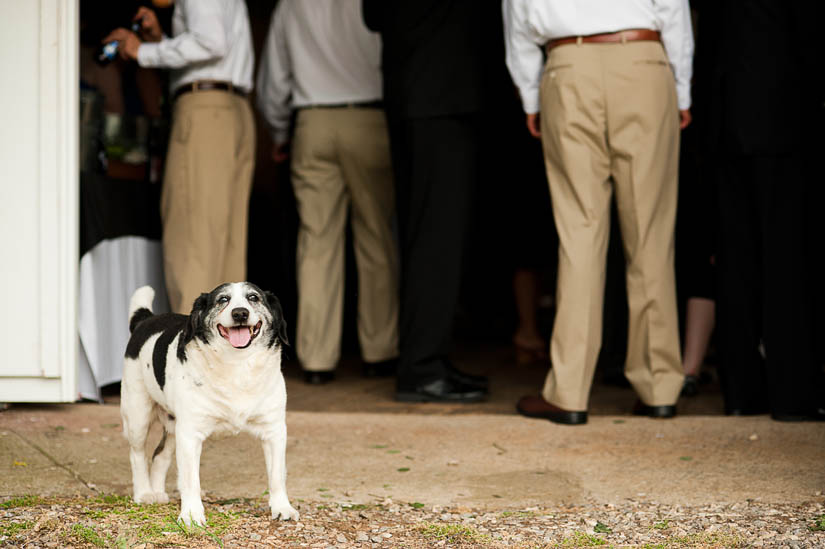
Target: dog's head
column 237, row 315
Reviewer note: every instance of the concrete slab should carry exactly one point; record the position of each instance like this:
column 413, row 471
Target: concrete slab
column 494, row 461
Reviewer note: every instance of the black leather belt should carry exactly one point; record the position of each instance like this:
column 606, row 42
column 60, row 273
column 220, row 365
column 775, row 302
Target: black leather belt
column 353, row 105
column 206, row 85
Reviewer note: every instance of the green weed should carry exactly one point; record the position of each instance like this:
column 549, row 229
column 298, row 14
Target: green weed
column 22, row 501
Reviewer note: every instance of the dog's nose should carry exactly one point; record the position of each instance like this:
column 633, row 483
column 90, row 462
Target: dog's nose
column 239, row 314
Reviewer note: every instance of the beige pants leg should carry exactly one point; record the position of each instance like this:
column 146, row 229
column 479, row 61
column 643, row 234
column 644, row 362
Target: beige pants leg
column 608, row 111
column 205, row 197
column 645, row 166
column 340, row 156
column 365, row 161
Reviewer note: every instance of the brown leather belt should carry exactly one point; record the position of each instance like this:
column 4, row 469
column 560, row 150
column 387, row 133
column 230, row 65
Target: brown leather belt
column 206, row 85
column 629, row 35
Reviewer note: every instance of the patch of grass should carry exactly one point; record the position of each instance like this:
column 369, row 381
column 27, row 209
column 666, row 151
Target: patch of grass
column 379, row 446
column 819, row 524
column 354, row 507
column 114, row 499
column 323, row 489
column 582, row 539
column 88, row 535
column 216, row 525
column 393, row 451
column 11, row 529
column 663, row 525
column 686, row 458
column 602, row 528
column 717, row 539
column 521, row 514
column 453, row 533
column 653, row 546
column 150, row 530
column 22, row 501
column 403, row 469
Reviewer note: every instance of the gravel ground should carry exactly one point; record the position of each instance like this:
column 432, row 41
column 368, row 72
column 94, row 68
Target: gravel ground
column 113, row 521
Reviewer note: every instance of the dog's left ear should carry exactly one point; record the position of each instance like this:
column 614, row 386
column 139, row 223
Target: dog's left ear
column 194, row 326
column 278, row 321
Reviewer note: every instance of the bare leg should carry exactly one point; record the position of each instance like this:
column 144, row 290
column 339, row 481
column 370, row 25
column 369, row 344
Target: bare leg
column 527, row 339
column 699, row 324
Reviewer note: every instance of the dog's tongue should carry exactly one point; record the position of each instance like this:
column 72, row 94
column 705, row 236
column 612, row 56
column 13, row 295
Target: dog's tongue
column 239, row 337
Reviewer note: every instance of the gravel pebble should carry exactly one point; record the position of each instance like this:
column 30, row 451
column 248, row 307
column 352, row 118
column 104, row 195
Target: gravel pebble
column 630, row 523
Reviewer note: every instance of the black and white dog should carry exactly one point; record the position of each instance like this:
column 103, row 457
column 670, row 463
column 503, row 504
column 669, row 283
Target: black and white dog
column 218, row 369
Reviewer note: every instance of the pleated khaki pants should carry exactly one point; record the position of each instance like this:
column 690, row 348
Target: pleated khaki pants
column 205, row 196
column 609, row 122
column 341, row 166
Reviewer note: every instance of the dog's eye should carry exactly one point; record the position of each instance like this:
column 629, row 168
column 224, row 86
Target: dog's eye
column 252, row 297
column 223, row 299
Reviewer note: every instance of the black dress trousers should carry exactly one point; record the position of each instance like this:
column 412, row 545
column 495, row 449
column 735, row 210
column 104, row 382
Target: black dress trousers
column 764, row 287
column 435, row 163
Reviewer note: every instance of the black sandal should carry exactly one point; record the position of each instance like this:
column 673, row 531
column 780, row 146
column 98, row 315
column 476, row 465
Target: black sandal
column 690, row 387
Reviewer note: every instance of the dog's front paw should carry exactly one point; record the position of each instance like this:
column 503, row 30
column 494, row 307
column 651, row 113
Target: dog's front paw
column 284, row 511
column 190, row 516
column 151, row 497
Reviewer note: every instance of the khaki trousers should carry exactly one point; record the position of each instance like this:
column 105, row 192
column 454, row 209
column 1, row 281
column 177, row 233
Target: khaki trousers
column 341, row 165
column 609, row 112
column 205, row 196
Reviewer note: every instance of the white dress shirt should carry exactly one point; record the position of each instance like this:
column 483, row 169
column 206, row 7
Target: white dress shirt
column 530, row 24
column 211, row 41
column 317, row 52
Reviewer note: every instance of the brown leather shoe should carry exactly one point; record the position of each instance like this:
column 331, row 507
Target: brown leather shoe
column 536, row 406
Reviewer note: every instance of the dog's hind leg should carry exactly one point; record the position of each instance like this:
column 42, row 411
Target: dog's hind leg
column 162, row 458
column 137, row 410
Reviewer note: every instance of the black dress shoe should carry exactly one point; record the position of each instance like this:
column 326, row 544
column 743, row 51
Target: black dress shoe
column 747, row 411
column 659, row 412
column 318, row 378
column 445, row 389
column 482, row 382
column 536, row 406
column 383, row 368
column 813, row 415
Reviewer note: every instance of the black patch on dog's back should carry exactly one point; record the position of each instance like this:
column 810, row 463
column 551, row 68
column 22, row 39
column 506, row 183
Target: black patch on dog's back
column 168, row 325
column 140, row 315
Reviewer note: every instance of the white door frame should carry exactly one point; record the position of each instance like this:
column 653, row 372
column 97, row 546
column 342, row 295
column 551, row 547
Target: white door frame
column 39, row 179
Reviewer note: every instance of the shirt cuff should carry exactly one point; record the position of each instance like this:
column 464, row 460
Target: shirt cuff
column 683, row 95
column 530, row 100
column 280, row 136
column 148, row 54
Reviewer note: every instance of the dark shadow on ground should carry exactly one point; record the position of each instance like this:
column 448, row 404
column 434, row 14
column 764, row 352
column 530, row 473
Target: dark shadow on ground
column 351, row 392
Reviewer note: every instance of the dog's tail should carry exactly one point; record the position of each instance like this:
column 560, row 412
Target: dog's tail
column 140, row 306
